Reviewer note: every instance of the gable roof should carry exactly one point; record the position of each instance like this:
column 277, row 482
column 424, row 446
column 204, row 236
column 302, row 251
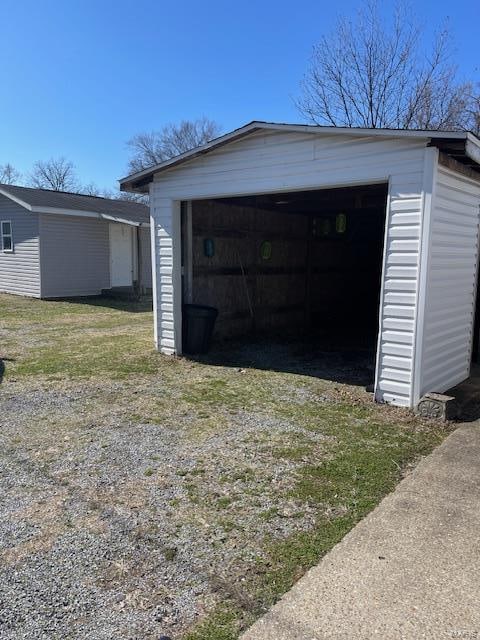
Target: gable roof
column 64, row 203
column 462, row 145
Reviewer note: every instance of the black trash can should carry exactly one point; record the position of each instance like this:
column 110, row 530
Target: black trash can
column 198, row 325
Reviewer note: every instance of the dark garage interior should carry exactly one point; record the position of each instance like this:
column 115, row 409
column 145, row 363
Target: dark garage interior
column 300, row 267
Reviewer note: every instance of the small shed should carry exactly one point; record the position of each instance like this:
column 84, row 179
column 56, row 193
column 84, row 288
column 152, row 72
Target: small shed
column 55, row 244
column 301, row 227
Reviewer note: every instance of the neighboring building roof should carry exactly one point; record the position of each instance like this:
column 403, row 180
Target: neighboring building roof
column 461, row 145
column 64, row 203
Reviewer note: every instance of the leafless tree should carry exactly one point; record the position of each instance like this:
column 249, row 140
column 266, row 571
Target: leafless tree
column 57, row 174
column 9, row 175
column 474, row 110
column 131, row 197
column 91, row 189
column 152, row 148
column 374, row 73
column 116, row 194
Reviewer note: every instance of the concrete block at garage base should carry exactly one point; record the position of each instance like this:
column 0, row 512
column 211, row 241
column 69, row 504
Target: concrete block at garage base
column 438, row 406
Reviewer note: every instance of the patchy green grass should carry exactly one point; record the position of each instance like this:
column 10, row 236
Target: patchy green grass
column 76, row 339
column 351, row 482
column 222, row 624
column 361, row 468
column 341, row 453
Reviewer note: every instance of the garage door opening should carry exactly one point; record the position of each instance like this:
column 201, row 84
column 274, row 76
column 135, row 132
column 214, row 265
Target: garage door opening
column 296, row 277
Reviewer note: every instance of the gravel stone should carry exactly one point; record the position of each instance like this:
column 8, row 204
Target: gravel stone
column 112, row 528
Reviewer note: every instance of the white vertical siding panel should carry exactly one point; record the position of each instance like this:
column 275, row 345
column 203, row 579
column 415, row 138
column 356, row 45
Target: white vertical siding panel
column 20, row 270
column 400, row 286
column 451, row 282
column 167, row 291
column 278, row 161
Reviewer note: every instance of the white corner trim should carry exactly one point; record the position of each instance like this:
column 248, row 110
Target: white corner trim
column 378, row 364
column 155, row 275
column 165, row 234
column 177, row 273
column 475, row 296
column 428, row 198
column 472, row 148
column 40, row 257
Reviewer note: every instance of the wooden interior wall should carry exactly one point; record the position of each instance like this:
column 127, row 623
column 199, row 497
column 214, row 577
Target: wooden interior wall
column 250, row 293
column 346, row 274
column 309, row 282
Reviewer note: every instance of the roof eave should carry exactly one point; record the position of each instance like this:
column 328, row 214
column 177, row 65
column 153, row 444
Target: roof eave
column 88, row 214
column 472, row 148
column 137, row 182
column 140, row 178
column 79, row 213
column 19, row 201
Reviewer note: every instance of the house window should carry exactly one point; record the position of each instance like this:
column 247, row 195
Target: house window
column 7, row 238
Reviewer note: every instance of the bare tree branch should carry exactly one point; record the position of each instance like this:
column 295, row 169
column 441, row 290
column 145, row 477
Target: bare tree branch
column 373, row 73
column 130, row 197
column 56, row 174
column 9, row 175
column 474, row 109
column 152, row 148
column 91, row 189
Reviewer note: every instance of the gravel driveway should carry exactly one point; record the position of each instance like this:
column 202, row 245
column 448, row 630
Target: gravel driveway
column 112, row 525
column 135, row 505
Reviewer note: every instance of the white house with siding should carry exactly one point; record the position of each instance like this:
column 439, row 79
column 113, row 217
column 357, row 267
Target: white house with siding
column 422, row 187
column 55, row 244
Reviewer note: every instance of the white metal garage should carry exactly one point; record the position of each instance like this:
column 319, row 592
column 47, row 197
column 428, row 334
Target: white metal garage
column 430, row 254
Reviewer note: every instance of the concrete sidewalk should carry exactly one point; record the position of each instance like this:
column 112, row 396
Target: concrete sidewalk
column 410, row 570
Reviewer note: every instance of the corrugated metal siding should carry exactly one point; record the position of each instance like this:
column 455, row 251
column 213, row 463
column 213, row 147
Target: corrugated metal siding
column 451, row 281
column 20, row 270
column 75, row 256
column 274, row 161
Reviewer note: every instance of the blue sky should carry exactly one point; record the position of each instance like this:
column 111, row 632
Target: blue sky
column 80, row 77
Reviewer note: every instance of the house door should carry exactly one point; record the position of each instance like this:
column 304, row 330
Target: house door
column 121, row 255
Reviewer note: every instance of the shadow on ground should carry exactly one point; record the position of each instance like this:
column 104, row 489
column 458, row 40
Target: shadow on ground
column 467, row 396
column 2, row 367
column 144, row 304
column 352, row 363
column 347, row 361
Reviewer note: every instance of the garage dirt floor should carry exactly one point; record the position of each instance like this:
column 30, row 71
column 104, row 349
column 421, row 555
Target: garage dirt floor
column 143, row 495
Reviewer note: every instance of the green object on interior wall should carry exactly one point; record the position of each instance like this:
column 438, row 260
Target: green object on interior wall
column 266, row 250
column 208, row 248
column 324, row 226
column 341, row 223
